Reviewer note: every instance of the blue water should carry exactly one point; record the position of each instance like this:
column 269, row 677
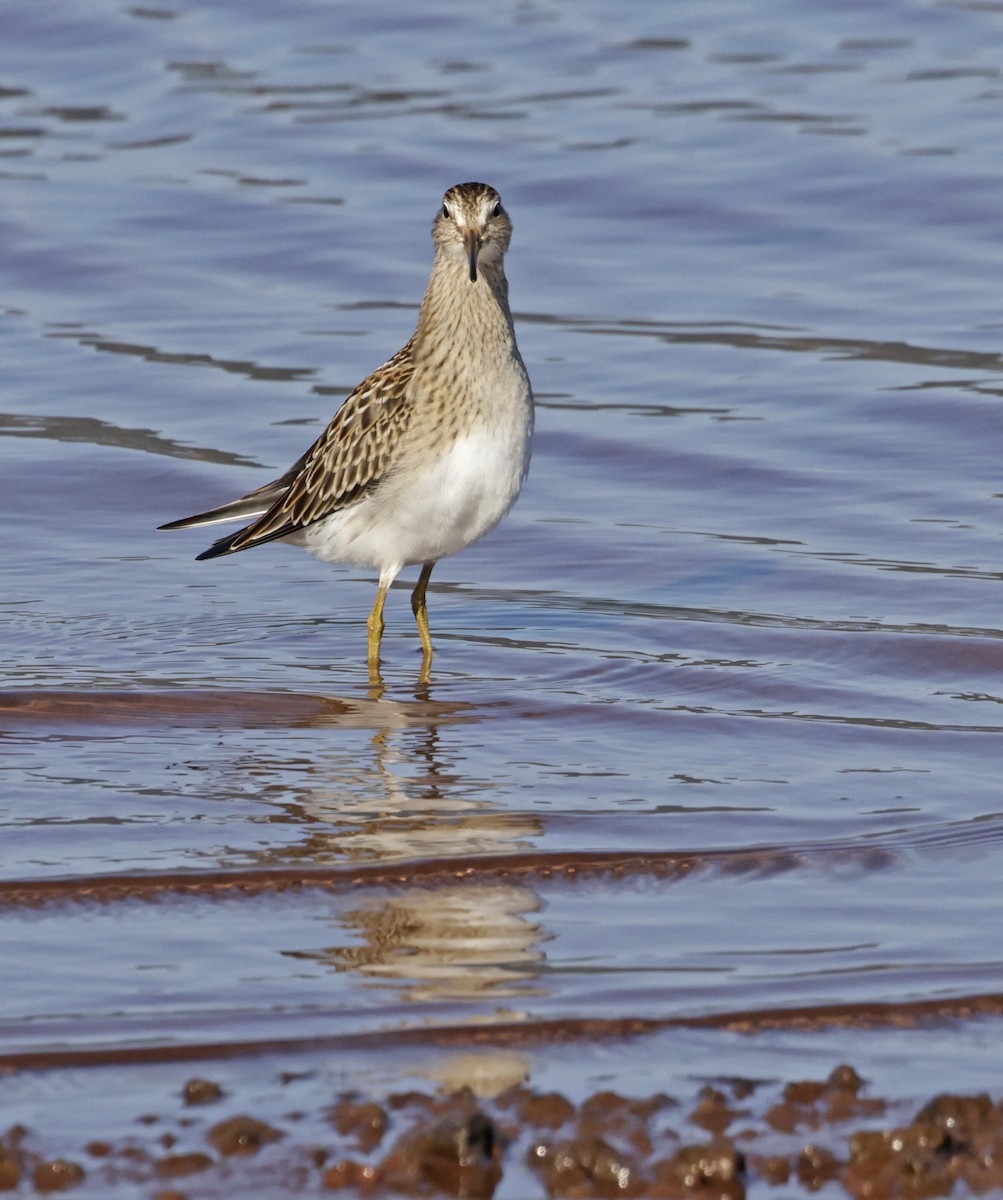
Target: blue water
column 749, row 598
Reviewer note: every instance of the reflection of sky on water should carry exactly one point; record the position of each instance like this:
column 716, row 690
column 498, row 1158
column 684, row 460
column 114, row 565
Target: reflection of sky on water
column 747, row 599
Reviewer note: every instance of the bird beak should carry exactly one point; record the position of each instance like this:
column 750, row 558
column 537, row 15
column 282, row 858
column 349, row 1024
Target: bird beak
column 472, row 245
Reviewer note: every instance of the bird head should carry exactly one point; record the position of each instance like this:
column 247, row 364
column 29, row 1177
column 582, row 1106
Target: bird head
column 473, row 226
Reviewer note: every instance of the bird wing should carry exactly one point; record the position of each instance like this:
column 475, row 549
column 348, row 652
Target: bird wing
column 344, row 463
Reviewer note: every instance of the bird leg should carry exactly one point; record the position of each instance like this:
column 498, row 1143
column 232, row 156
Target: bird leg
column 420, row 611
column 375, row 626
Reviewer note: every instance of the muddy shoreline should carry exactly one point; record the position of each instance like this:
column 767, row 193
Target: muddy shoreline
column 726, row 1137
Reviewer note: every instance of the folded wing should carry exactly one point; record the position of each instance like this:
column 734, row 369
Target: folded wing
column 349, row 458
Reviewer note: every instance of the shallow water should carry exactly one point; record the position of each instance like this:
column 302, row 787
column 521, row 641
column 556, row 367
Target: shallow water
column 720, row 700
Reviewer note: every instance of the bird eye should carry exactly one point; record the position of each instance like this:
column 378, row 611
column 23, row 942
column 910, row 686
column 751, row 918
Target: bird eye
column 496, row 211
column 445, row 211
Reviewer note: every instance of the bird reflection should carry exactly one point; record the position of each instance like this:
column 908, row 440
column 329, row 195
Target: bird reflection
column 407, row 798
column 373, row 798
column 460, row 943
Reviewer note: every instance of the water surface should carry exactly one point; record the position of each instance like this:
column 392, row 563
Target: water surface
column 714, row 722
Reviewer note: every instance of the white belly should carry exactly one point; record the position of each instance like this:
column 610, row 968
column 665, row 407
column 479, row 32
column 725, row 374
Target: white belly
column 424, row 511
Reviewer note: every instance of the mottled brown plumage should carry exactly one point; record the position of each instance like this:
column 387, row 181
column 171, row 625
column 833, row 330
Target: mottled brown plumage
column 350, row 456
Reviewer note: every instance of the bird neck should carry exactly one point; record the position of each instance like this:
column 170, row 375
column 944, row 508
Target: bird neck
column 456, row 307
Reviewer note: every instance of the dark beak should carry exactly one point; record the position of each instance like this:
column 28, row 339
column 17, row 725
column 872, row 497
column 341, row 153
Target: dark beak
column 472, row 245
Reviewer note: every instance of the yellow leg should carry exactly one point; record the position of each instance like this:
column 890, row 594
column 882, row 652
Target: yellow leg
column 420, row 611
column 375, row 626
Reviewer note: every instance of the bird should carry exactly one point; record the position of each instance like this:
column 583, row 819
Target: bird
column 430, row 451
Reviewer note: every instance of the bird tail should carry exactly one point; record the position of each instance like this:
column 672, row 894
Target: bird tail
column 244, row 509
column 247, row 508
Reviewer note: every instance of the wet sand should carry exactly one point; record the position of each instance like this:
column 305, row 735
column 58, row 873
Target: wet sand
column 730, row 1135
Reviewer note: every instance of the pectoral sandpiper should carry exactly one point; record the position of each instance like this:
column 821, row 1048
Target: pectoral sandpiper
column 430, row 451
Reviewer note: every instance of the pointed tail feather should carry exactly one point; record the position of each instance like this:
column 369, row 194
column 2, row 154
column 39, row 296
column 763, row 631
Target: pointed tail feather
column 247, row 508
column 244, row 509
column 222, row 546
column 238, row 540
